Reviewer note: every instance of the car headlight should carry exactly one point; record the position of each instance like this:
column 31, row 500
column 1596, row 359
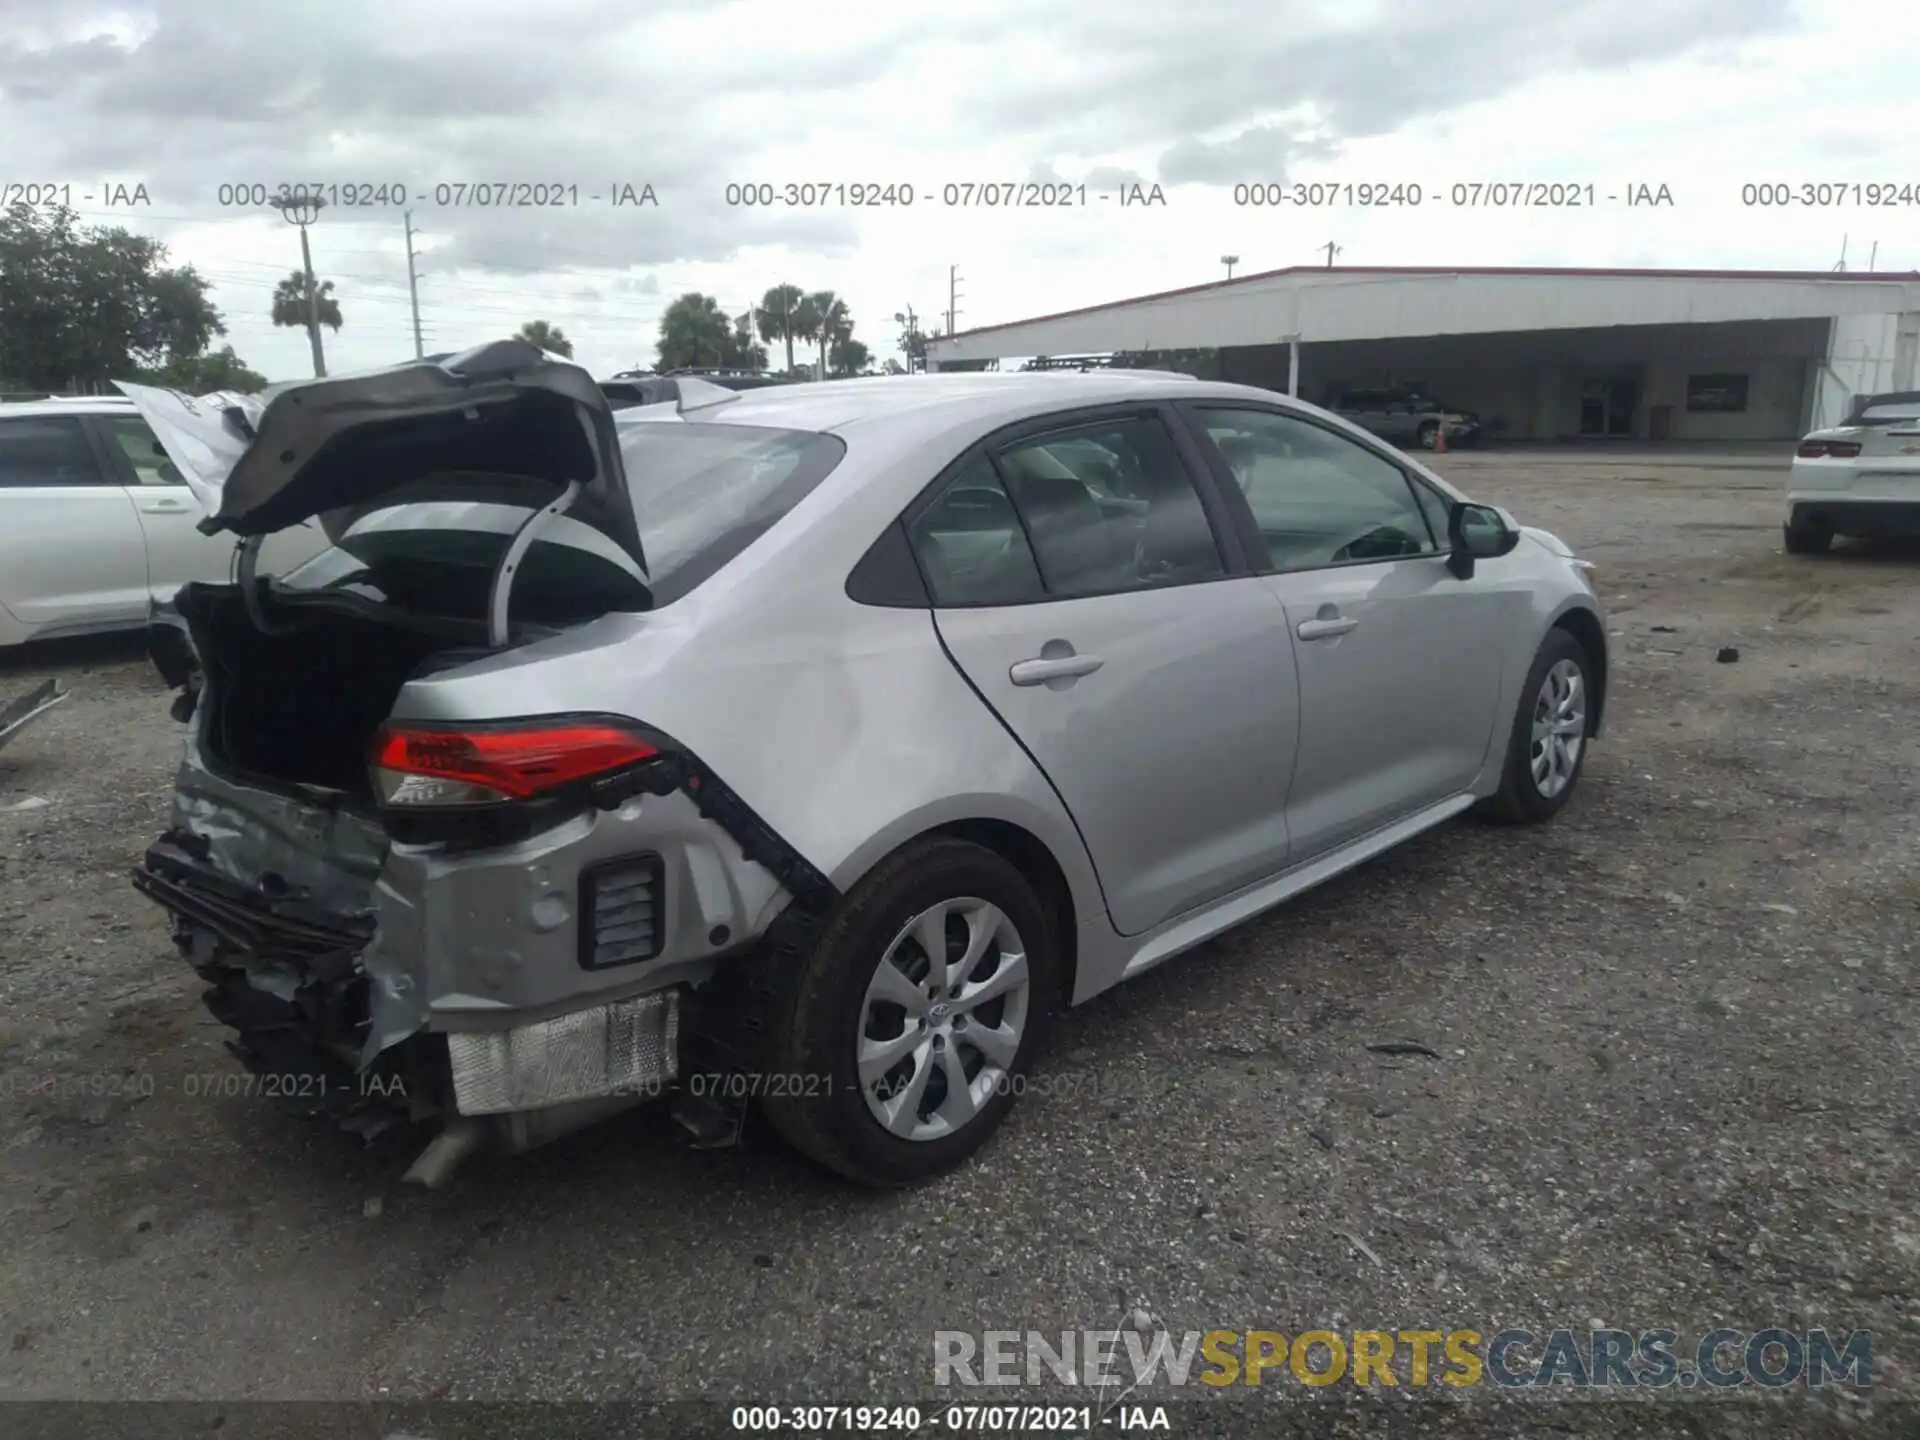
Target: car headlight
column 1588, row 576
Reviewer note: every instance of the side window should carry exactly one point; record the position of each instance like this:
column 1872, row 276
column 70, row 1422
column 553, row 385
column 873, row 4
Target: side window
column 1111, row 507
column 142, row 449
column 971, row 545
column 1318, row 498
column 46, row 450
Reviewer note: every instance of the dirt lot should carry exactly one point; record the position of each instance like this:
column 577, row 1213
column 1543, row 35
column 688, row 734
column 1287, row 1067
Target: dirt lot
column 1673, row 1078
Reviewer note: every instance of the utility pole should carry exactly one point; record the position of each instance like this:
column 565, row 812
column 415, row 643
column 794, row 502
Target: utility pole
column 953, row 298
column 413, row 290
column 1229, row 261
column 303, row 209
column 1332, row 250
column 910, row 320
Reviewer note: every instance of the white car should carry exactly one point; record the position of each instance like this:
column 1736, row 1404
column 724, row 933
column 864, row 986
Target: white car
column 96, row 523
column 1861, row 477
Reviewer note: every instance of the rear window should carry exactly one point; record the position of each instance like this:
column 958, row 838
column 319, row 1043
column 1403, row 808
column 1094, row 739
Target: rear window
column 702, row 494
column 1889, row 414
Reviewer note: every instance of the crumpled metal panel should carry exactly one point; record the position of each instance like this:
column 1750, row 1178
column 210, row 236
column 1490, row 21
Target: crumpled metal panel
column 327, row 856
column 395, row 961
column 628, row 1047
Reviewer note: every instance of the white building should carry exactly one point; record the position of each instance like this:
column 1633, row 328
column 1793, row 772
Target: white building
column 1538, row 354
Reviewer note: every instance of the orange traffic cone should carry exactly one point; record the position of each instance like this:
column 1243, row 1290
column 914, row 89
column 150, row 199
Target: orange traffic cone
column 1440, row 439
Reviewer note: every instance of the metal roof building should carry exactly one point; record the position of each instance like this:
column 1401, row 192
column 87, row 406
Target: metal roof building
column 1543, row 354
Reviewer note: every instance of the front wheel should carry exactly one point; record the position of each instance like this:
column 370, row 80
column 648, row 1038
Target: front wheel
column 1548, row 744
column 1429, row 436
column 908, row 1034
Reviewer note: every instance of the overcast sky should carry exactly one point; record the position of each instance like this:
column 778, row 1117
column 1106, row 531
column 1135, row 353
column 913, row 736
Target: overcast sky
column 185, row 96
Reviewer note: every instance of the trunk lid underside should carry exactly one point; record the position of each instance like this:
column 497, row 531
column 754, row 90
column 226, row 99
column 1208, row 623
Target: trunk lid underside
column 333, row 447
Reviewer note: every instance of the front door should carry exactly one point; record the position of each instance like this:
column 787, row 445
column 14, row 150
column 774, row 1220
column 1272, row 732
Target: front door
column 1398, row 661
column 1151, row 683
column 71, row 557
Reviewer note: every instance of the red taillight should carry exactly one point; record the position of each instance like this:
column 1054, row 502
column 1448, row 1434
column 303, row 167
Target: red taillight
column 1828, row 449
column 1811, row 449
column 476, row 767
column 1843, row 449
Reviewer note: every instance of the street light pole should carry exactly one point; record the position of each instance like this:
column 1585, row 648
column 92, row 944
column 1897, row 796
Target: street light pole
column 303, row 209
column 1229, row 261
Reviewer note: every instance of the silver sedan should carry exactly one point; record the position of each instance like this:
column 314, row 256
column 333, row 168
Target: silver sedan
column 803, row 750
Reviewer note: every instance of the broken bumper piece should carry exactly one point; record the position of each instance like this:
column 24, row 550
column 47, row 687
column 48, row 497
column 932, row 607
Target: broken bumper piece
column 286, row 978
column 29, row 708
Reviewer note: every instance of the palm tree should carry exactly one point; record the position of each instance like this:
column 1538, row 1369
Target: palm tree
column 547, row 337
column 823, row 319
column 290, row 303
column 779, row 308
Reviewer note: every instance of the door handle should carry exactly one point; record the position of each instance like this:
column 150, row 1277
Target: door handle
column 162, row 507
column 1064, row 667
column 1326, row 627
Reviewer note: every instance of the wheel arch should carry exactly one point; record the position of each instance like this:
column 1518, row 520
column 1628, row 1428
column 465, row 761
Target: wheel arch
column 1585, row 626
column 1029, row 854
column 1051, row 857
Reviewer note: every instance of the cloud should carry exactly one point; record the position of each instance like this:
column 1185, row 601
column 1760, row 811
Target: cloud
column 1125, row 77
column 189, row 95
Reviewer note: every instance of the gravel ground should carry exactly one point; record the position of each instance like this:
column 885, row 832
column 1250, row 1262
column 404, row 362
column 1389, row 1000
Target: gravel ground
column 1672, row 1077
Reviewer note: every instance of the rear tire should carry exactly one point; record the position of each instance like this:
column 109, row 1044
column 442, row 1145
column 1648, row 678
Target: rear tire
column 1429, row 436
column 869, row 987
column 1807, row 539
column 1547, row 746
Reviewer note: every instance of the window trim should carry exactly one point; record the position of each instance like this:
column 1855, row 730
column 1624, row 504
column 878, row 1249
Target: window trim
column 1255, row 542
column 1228, row 537
column 106, row 477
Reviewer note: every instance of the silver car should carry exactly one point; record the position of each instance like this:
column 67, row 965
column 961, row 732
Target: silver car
column 808, row 747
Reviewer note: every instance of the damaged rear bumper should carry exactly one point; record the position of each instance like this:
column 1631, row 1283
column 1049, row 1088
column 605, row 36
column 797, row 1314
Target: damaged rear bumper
column 291, row 982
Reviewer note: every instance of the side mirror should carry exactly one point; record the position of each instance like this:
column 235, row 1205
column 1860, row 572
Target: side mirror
column 1477, row 532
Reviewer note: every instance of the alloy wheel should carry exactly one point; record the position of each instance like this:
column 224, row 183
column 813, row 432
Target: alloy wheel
column 942, row 1019
column 1559, row 727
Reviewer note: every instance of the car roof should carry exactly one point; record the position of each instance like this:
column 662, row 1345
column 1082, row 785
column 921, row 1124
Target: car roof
column 65, row 405
column 843, row 405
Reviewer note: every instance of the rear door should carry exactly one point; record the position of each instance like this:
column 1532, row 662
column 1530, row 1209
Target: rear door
column 1399, row 661
column 170, row 515
column 1130, row 651
column 71, row 557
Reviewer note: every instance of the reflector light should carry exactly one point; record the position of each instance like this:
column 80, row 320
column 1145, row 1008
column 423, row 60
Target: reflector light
column 467, row 767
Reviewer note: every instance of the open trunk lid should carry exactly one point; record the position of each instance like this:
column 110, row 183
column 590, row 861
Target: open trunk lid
column 334, row 447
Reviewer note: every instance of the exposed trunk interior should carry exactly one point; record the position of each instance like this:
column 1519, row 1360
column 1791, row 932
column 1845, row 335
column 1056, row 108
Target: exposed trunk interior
column 302, row 706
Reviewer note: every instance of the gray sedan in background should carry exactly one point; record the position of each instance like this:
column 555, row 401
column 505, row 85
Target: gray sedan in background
column 823, row 738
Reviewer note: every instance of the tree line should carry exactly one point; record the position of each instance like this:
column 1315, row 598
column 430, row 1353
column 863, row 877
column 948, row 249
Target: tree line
column 696, row 332
column 84, row 305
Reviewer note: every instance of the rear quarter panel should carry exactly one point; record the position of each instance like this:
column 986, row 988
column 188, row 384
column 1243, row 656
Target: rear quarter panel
column 844, row 726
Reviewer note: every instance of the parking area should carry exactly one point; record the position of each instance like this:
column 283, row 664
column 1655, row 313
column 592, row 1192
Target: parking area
column 1652, row 1065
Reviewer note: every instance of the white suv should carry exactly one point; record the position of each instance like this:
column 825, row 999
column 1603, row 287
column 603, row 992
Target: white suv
column 96, row 523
